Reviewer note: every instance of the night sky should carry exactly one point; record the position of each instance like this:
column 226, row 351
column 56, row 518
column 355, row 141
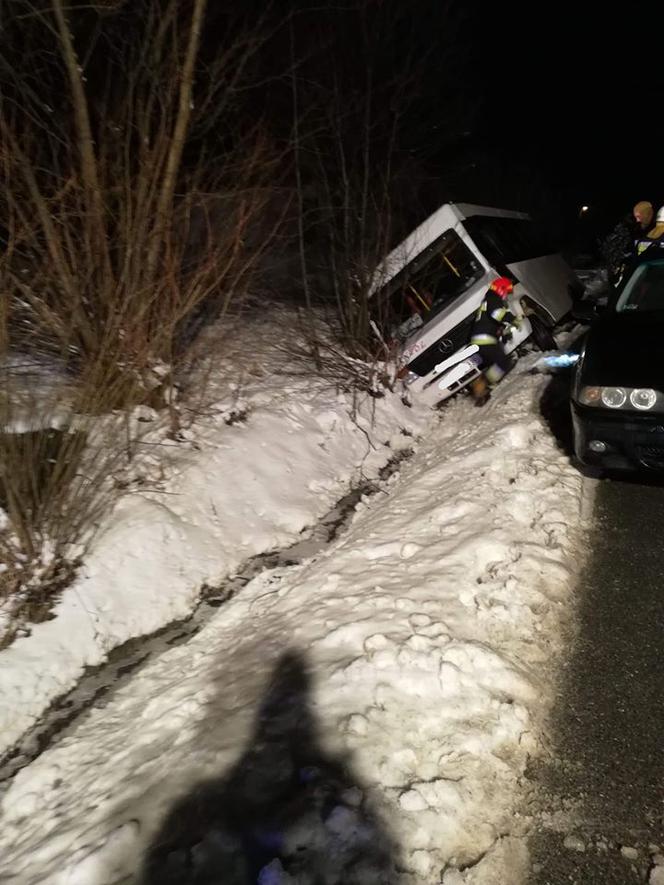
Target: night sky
column 546, row 106
column 580, row 89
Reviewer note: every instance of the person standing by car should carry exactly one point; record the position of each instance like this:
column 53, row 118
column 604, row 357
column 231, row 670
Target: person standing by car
column 621, row 245
column 493, row 315
column 654, row 240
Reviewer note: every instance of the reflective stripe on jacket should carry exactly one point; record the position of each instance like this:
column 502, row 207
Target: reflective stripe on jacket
column 481, row 339
column 491, row 314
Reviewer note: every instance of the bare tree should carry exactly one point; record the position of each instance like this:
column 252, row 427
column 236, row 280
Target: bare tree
column 132, row 199
column 348, row 146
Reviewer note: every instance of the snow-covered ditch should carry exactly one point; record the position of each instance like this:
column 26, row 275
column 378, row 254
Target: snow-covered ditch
column 271, row 454
column 424, row 637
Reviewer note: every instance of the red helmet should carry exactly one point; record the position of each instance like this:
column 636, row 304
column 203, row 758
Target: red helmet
column 502, row 286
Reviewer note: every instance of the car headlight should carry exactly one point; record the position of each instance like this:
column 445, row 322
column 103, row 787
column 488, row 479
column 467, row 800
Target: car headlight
column 410, row 377
column 641, row 398
column 613, row 397
column 590, row 396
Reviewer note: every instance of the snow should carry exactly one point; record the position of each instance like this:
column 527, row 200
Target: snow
column 409, row 662
column 233, row 492
column 574, row 843
column 30, row 388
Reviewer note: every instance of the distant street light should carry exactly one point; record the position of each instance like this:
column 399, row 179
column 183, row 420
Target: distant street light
column 583, row 211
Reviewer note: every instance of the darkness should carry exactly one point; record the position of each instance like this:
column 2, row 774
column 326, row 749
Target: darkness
column 545, row 107
column 576, row 90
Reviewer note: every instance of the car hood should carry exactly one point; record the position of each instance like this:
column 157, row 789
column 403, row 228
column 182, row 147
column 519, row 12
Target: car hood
column 626, row 350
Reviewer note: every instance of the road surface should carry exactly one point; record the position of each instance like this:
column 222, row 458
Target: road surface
column 601, row 815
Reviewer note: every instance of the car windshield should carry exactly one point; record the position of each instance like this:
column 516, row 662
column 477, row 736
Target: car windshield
column 432, row 281
column 644, row 290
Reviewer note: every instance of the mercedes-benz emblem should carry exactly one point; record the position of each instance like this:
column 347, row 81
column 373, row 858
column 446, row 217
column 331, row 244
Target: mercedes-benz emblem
column 445, row 345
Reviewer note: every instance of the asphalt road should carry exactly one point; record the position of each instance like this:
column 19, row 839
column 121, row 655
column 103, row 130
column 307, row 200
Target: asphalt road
column 601, row 805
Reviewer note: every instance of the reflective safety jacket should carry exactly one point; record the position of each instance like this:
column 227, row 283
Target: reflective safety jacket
column 651, row 245
column 492, row 314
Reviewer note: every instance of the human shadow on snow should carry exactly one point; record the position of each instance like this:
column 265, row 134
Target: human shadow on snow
column 287, row 812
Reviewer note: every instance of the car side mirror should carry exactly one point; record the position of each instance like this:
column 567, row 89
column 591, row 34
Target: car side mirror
column 586, row 312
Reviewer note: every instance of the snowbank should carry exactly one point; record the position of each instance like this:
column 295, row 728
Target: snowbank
column 426, row 628
column 235, row 490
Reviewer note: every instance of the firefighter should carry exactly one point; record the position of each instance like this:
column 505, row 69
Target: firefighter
column 492, row 315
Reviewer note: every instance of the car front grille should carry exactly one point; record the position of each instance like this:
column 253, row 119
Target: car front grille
column 447, row 344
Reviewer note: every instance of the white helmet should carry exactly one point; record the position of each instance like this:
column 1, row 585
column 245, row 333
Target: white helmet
column 660, row 215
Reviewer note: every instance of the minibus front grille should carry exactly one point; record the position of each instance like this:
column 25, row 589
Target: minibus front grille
column 447, row 344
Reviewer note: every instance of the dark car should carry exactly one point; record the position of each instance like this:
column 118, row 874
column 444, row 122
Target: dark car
column 618, row 389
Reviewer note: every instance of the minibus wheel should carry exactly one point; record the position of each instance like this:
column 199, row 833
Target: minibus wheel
column 542, row 335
